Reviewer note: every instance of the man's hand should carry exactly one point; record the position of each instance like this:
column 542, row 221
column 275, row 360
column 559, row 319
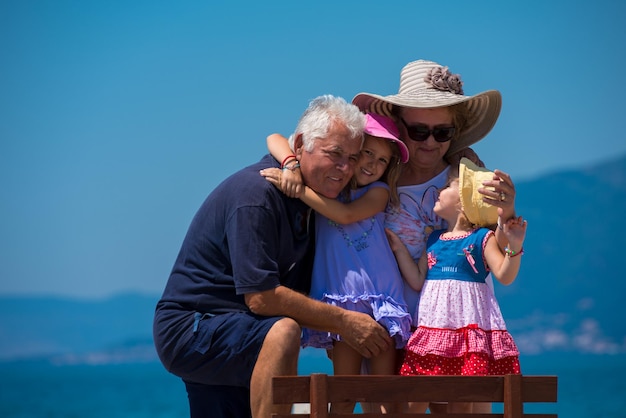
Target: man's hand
column 365, row 335
column 358, row 330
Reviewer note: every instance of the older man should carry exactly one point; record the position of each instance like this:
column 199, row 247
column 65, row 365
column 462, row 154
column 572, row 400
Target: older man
column 230, row 315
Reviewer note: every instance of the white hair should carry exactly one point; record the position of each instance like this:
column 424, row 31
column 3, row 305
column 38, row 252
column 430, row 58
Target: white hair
column 319, row 117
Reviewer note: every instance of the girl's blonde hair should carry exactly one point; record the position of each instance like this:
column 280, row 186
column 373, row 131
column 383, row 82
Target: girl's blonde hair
column 392, row 174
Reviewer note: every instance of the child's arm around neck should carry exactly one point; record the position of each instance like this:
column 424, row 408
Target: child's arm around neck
column 288, row 178
column 372, row 202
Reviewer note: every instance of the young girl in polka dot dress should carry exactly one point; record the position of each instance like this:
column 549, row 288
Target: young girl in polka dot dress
column 461, row 330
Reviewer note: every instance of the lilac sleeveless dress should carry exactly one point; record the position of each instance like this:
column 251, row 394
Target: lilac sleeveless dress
column 355, row 269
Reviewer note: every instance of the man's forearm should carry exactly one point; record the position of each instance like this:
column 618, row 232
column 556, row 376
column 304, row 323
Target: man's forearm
column 310, row 313
column 357, row 329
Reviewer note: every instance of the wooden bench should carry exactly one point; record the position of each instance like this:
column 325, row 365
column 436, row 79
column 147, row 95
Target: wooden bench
column 320, row 389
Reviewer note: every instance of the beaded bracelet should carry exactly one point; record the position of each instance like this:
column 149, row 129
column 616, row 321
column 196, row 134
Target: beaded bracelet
column 286, row 160
column 292, row 168
column 512, row 253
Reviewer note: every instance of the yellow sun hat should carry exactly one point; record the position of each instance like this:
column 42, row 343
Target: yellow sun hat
column 471, row 178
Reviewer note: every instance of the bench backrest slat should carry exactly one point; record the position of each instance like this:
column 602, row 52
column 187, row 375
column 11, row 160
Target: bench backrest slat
column 511, row 390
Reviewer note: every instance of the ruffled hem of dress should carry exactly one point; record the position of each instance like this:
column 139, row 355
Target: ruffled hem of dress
column 496, row 344
column 386, row 311
column 472, row 364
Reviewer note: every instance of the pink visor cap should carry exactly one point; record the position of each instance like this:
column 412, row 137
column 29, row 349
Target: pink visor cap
column 384, row 127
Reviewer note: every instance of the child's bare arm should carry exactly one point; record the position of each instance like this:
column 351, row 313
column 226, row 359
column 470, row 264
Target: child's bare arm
column 278, row 146
column 505, row 265
column 372, row 202
column 290, row 180
column 500, row 192
column 413, row 273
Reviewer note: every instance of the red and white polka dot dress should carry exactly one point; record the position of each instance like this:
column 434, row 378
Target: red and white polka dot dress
column 461, row 330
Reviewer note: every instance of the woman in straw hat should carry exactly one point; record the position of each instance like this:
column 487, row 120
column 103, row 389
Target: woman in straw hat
column 438, row 123
column 461, row 330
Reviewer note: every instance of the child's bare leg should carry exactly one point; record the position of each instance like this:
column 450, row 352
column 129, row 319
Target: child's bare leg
column 366, row 369
column 345, row 361
column 384, row 364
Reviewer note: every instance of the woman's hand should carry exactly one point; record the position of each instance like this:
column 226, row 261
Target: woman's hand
column 500, row 192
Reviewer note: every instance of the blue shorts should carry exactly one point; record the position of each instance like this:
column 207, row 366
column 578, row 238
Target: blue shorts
column 224, row 349
column 211, row 401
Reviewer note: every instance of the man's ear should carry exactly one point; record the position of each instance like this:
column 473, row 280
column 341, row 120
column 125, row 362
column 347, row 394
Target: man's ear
column 298, row 145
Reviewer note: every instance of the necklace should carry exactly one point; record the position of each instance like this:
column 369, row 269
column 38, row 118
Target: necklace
column 359, row 243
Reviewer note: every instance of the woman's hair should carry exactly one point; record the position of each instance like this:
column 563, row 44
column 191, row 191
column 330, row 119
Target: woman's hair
column 460, row 114
column 322, row 113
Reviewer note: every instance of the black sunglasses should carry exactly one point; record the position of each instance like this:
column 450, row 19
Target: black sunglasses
column 422, row 132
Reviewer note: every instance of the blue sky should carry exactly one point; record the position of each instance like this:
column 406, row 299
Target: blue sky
column 117, row 118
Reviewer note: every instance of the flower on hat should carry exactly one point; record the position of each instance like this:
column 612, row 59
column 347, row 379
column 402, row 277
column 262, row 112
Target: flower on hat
column 441, row 79
column 427, row 84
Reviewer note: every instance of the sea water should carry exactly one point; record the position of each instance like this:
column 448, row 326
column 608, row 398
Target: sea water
column 589, row 386
column 40, row 389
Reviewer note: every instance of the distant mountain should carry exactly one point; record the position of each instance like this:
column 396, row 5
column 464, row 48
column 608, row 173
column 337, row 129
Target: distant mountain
column 567, row 297
column 117, row 329
column 569, row 293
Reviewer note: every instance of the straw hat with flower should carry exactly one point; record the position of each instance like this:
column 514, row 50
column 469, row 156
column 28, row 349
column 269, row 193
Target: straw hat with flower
column 426, row 84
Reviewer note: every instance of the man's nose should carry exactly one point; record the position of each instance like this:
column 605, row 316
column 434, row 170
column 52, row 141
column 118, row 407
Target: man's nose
column 344, row 163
